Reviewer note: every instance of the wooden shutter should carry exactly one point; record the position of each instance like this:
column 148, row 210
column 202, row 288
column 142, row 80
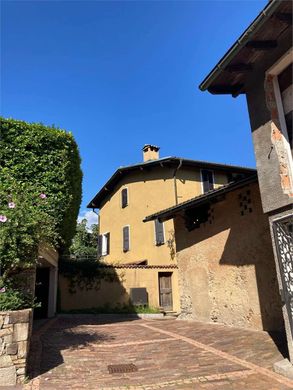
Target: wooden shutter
column 100, row 243
column 159, row 230
column 107, row 243
column 207, row 180
column 124, row 195
column 126, row 238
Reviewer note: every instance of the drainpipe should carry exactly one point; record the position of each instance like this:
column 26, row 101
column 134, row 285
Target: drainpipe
column 174, row 178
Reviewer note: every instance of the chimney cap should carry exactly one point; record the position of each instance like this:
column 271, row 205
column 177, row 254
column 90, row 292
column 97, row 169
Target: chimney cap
column 152, row 147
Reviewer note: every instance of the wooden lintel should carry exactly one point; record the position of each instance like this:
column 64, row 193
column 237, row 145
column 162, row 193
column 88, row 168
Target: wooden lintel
column 284, row 17
column 223, row 89
column 262, row 45
column 240, row 67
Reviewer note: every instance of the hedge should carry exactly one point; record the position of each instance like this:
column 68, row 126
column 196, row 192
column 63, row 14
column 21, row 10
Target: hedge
column 44, row 160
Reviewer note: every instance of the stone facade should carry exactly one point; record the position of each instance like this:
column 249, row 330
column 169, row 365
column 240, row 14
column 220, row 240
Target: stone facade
column 226, row 266
column 15, row 332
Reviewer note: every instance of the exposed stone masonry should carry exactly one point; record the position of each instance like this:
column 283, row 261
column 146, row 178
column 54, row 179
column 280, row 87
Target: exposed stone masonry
column 15, row 331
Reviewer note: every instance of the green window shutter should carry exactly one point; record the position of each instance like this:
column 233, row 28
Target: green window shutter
column 159, row 230
column 126, row 239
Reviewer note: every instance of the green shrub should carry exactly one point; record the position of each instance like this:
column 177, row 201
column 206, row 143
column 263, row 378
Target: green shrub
column 40, row 194
column 45, row 159
column 14, row 299
column 25, row 223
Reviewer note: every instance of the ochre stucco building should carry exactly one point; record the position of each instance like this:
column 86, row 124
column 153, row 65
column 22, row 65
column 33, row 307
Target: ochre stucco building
column 146, row 253
column 225, row 258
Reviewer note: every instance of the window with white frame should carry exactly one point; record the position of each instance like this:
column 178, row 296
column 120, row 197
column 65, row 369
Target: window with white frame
column 281, row 72
column 279, row 81
column 286, row 92
column 104, row 244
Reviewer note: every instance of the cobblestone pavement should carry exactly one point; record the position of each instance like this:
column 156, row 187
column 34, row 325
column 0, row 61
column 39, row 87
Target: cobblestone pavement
column 74, row 353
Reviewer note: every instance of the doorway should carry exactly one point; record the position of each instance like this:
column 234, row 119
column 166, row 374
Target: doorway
column 42, row 292
column 165, row 290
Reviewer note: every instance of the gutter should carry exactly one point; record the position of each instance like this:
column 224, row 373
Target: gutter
column 240, row 43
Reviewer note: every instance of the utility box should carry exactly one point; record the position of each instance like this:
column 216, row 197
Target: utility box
column 139, row 296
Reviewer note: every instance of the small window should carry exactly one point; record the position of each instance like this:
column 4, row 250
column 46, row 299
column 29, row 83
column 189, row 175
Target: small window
column 124, row 197
column 207, row 178
column 159, row 232
column 126, row 239
column 104, row 244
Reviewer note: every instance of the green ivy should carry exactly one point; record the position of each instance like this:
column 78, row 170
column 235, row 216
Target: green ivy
column 42, row 159
column 25, row 223
column 86, row 274
column 40, row 194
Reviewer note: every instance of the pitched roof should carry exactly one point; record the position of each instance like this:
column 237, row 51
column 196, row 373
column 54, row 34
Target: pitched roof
column 171, row 162
column 170, row 212
column 263, row 36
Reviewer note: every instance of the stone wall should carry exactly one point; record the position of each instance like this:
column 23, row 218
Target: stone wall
column 226, row 267
column 15, row 332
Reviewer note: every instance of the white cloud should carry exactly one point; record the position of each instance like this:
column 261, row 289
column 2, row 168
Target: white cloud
column 90, row 216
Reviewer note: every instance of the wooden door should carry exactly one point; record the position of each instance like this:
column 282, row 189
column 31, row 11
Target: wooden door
column 165, row 288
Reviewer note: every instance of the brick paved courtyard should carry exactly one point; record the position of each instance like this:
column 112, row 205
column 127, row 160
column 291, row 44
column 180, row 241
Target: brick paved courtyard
column 74, row 353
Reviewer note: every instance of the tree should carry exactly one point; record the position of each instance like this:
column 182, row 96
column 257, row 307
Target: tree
column 85, row 242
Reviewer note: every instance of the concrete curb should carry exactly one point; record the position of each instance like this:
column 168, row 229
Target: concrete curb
column 105, row 316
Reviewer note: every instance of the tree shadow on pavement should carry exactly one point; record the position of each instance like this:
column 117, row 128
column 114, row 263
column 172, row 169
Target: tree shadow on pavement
column 48, row 347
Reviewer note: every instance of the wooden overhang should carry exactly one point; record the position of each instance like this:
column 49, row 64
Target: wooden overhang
column 168, row 162
column 212, row 196
column 232, row 73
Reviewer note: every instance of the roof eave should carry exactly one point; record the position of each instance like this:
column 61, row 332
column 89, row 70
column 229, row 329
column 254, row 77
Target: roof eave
column 238, row 45
column 98, row 198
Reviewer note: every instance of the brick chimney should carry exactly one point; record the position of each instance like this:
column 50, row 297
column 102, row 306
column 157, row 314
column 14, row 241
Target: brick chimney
column 150, row 152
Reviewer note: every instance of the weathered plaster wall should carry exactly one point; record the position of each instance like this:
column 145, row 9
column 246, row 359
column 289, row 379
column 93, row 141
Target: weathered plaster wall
column 117, row 292
column 265, row 127
column 15, row 332
column 226, row 268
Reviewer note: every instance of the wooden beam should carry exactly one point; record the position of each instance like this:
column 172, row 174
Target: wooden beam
column 240, row 67
column 226, row 89
column 284, row 17
column 262, row 45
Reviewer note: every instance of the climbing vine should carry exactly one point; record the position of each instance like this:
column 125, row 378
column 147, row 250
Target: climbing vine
column 87, row 274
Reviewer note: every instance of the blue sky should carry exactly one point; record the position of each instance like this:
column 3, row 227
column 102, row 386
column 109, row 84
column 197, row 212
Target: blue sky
column 123, row 74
